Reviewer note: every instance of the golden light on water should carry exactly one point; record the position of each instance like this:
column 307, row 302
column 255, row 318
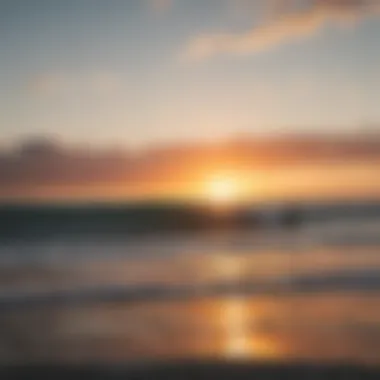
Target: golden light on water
column 242, row 339
column 235, row 319
column 239, row 317
column 235, row 315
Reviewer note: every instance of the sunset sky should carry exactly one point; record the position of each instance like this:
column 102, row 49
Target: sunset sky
column 138, row 72
column 125, row 75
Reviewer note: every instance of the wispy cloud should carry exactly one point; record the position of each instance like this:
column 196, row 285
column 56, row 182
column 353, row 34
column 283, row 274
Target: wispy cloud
column 284, row 21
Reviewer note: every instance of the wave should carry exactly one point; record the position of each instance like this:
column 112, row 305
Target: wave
column 52, row 222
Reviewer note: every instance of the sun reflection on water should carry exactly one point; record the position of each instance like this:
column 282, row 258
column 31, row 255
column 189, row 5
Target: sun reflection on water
column 243, row 340
column 236, row 327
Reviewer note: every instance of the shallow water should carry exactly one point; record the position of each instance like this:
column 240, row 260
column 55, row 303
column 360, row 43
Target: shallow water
column 311, row 293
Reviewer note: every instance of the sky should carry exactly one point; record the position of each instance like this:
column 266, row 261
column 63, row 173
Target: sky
column 138, row 73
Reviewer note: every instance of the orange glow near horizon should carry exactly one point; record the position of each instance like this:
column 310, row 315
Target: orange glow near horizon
column 222, row 188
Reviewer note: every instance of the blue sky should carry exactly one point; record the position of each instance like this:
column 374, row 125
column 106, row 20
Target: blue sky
column 123, row 71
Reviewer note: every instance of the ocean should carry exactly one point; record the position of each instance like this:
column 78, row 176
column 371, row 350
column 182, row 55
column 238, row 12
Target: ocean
column 125, row 283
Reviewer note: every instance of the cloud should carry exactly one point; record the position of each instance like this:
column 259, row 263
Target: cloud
column 48, row 84
column 161, row 5
column 284, row 21
column 60, row 84
column 49, row 168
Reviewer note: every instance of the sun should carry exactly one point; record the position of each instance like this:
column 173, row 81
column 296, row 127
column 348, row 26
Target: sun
column 223, row 189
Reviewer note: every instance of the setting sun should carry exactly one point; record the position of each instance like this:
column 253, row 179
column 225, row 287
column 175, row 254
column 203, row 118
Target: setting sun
column 223, row 189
